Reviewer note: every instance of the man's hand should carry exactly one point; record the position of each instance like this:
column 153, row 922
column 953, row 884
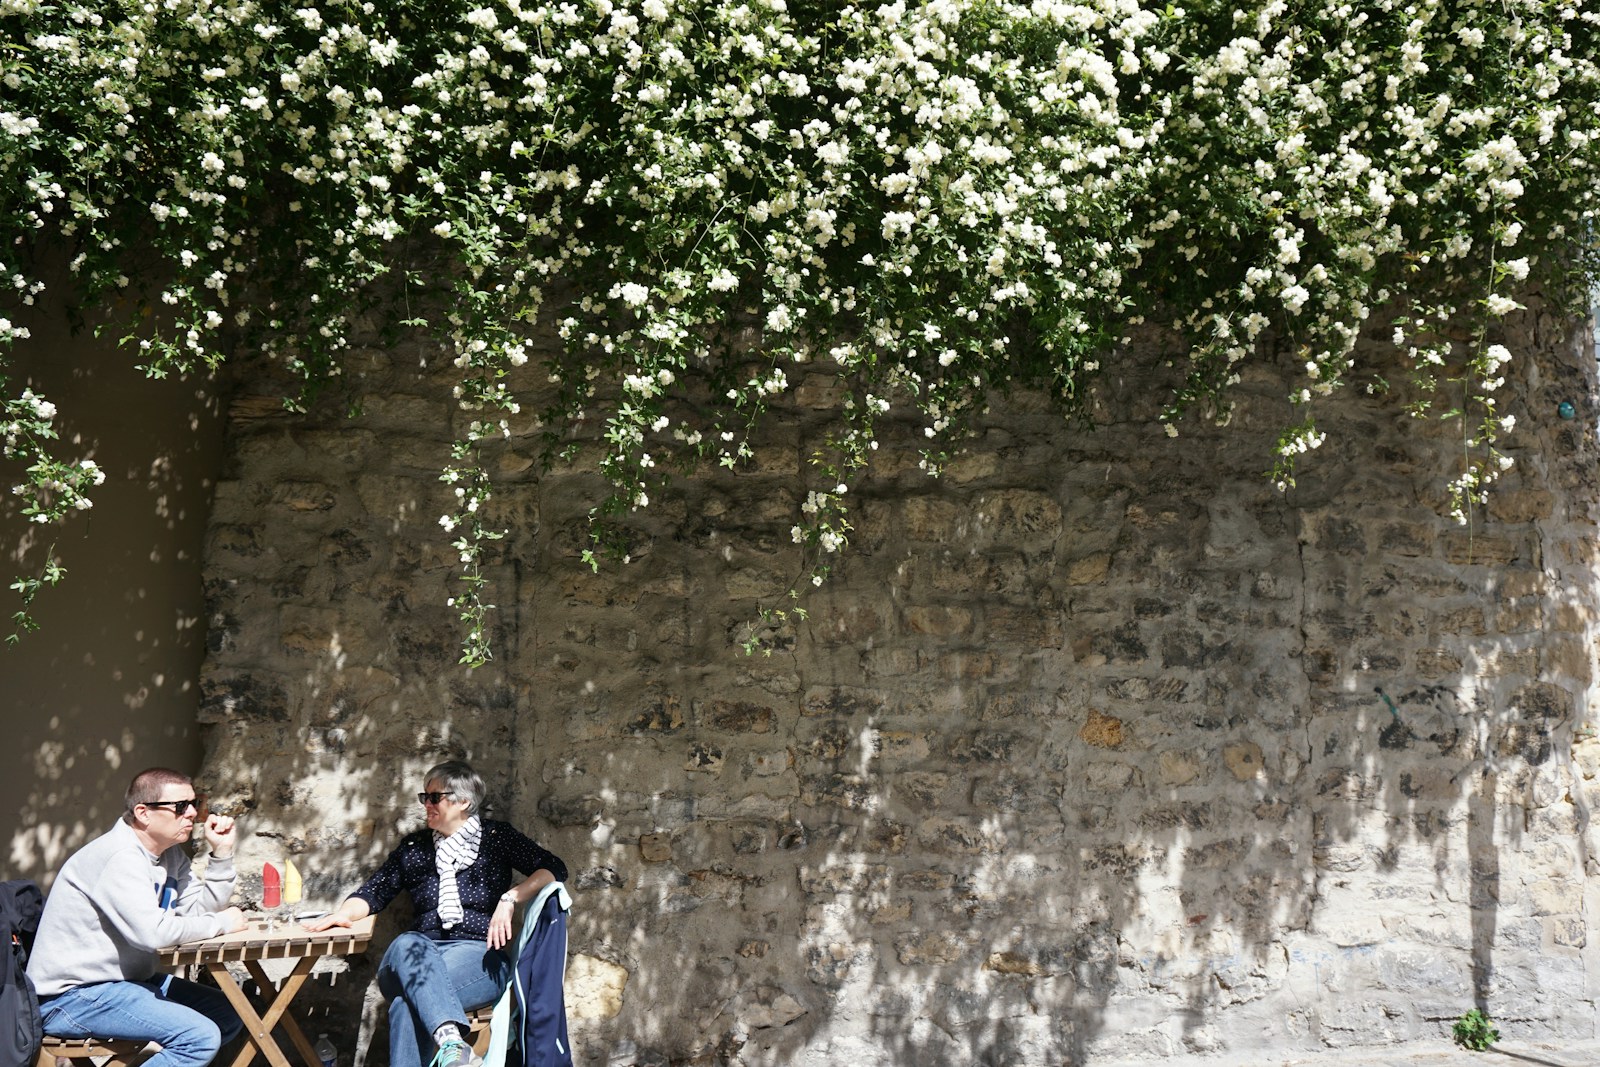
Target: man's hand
column 233, row 917
column 220, row 836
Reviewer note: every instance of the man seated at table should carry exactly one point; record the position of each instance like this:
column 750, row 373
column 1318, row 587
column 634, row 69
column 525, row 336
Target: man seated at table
column 117, row 902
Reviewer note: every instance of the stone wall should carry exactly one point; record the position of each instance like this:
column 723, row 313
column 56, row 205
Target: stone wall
column 1098, row 748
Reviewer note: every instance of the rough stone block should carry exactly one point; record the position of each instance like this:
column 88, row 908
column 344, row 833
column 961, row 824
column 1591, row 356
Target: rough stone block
column 1027, row 628
column 594, row 988
column 854, row 879
column 1088, row 570
column 892, row 914
column 953, row 837
column 1007, row 794
column 1437, row 663
column 932, row 520
column 937, row 620
column 1109, row 778
column 925, row 880
column 1244, row 761
column 1521, row 505
column 978, row 665
column 1519, row 617
column 939, row 947
column 570, row 811
column 1101, row 730
column 829, row 965
column 819, row 392
column 1567, row 931
column 1018, row 517
column 1122, row 645
column 925, row 789
column 843, row 701
column 899, row 746
column 1461, row 622
column 1501, row 663
column 1555, row 896
column 756, row 583
column 1571, row 618
column 704, row 758
column 893, row 663
column 1177, row 768
column 239, row 539
column 1407, row 539
column 1007, row 704
column 250, row 697
column 850, row 791
column 662, row 715
column 402, row 410
column 303, row 496
column 986, row 747
column 734, row 716
column 1482, row 550
column 769, row 765
column 656, row 848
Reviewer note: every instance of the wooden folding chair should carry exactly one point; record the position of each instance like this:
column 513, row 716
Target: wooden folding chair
column 61, row 1051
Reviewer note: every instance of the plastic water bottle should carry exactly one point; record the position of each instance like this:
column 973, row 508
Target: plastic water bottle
column 325, row 1051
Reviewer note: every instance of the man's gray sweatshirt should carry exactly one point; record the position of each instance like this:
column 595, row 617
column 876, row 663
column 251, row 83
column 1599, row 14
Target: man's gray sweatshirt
column 115, row 905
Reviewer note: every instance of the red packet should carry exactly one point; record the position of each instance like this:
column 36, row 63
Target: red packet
column 271, row 886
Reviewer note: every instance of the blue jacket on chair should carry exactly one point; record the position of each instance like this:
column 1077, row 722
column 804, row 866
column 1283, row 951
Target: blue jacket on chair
column 534, row 1007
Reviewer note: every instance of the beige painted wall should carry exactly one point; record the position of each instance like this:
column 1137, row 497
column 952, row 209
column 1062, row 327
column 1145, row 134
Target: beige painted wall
column 106, row 686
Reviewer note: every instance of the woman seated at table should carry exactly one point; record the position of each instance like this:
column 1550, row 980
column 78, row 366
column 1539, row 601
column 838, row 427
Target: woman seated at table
column 458, row 872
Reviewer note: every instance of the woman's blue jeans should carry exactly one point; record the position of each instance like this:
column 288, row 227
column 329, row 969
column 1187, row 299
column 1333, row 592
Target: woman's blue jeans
column 429, row 983
column 189, row 1021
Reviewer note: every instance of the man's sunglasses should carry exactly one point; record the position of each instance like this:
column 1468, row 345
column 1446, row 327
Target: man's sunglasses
column 433, row 798
column 178, row 806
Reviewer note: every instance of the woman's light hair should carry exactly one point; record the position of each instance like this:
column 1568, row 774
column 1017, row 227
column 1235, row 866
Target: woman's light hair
column 458, row 777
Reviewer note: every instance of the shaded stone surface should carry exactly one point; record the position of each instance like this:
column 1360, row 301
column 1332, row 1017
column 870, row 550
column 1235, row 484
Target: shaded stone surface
column 1098, row 750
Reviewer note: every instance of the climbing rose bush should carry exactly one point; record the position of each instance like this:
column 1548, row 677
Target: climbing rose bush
column 928, row 201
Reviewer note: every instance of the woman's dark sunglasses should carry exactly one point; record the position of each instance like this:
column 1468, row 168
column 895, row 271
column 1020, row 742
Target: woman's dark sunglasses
column 433, row 798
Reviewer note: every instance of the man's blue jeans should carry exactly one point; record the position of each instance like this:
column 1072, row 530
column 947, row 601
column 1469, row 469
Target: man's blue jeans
column 429, row 983
column 190, row 1022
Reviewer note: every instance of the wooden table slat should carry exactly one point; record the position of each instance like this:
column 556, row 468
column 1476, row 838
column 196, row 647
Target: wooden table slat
column 287, row 941
column 250, row 946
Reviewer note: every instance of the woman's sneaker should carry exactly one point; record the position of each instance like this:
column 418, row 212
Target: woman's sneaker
column 455, row 1053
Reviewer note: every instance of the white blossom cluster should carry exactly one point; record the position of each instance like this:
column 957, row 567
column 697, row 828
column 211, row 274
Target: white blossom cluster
column 51, row 488
column 928, row 199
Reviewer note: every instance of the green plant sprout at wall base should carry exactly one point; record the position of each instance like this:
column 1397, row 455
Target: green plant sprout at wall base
column 1475, row 1031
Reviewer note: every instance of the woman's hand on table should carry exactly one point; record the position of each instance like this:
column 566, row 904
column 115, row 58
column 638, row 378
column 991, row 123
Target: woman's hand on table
column 233, row 920
column 353, row 910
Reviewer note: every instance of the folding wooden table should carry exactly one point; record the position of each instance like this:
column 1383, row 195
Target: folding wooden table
column 288, row 941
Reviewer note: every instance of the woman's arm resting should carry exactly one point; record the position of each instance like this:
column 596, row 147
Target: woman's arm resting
column 521, row 893
column 353, row 910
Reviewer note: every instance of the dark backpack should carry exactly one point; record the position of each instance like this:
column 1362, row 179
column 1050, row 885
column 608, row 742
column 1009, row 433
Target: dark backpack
column 20, row 1031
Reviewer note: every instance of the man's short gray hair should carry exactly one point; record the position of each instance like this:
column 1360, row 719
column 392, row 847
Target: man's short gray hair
column 146, row 788
column 458, row 777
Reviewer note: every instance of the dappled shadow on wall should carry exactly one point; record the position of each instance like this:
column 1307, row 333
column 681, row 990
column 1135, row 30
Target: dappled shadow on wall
column 106, row 685
column 1342, row 887
column 1131, row 762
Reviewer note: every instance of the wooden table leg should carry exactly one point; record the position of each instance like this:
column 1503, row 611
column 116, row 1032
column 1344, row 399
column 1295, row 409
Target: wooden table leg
column 258, row 1035
column 282, row 1010
column 258, row 1028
